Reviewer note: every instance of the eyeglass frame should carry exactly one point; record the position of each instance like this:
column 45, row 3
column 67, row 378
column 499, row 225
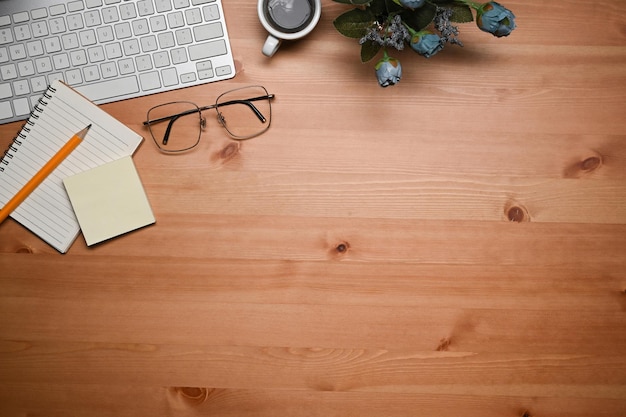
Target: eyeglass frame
column 174, row 117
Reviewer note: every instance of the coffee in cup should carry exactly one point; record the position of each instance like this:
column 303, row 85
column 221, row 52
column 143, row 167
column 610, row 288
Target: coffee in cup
column 287, row 20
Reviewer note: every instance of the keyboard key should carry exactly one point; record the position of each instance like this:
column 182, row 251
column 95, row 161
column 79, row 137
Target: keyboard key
column 110, row 15
column 92, row 18
column 145, row 7
column 57, row 25
column 110, row 88
column 21, row 106
column 161, row 59
column 183, row 36
column 163, row 5
column 21, row 87
column 26, row 68
column 39, row 13
column 61, row 61
column 211, row 12
column 17, row 52
column 78, row 57
column 22, row 32
column 5, row 110
column 74, row 76
column 21, row 17
column 193, row 16
column 108, row 70
column 40, row 29
column 52, row 44
column 207, row 50
column 126, row 66
column 143, row 63
column 75, row 22
column 113, row 50
column 96, row 54
column 158, row 23
column 181, row 4
column 131, row 47
column 91, row 73
column 122, row 30
column 5, row 90
column 93, row 3
column 179, row 55
column 43, row 64
column 6, row 36
column 105, row 34
column 8, row 72
column 75, row 6
column 87, row 37
column 57, row 9
column 35, row 48
column 170, row 77
column 150, row 81
column 208, row 31
column 128, row 11
column 70, row 41
column 38, row 84
column 140, row 27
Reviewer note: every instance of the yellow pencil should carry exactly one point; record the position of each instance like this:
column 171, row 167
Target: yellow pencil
column 43, row 173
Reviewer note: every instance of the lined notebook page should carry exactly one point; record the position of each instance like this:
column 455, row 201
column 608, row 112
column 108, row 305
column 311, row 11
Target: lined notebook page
column 60, row 114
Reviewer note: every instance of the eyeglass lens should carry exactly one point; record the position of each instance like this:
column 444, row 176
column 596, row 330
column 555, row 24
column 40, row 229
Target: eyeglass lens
column 179, row 128
column 245, row 112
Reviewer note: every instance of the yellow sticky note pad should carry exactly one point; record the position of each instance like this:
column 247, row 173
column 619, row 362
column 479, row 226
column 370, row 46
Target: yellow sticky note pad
column 109, row 200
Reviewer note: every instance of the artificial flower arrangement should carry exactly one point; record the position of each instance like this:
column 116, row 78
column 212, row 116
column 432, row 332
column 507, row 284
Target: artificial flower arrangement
column 425, row 25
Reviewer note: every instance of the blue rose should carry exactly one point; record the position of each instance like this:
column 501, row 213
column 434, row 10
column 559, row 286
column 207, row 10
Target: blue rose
column 388, row 71
column 496, row 19
column 426, row 44
column 412, row 4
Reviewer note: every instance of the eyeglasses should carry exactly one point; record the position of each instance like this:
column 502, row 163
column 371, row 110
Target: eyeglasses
column 244, row 112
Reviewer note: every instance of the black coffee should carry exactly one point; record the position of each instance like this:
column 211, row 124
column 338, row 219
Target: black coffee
column 289, row 15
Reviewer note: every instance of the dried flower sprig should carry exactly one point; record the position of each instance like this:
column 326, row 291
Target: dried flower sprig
column 425, row 25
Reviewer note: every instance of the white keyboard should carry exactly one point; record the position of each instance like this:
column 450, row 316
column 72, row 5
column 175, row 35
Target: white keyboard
column 108, row 50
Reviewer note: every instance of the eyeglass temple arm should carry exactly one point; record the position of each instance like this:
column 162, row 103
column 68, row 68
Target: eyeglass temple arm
column 166, row 136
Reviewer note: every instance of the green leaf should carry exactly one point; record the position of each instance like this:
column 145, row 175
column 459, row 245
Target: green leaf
column 354, row 23
column 369, row 50
column 461, row 13
column 419, row 19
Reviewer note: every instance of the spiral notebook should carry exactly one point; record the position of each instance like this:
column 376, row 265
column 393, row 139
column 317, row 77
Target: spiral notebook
column 60, row 113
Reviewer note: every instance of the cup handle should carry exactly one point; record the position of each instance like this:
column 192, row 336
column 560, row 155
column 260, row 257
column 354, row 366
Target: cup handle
column 270, row 46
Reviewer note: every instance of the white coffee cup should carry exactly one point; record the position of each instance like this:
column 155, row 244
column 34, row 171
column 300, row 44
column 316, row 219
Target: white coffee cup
column 287, row 20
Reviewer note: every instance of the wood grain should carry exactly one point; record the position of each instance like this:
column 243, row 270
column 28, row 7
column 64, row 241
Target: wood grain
column 453, row 245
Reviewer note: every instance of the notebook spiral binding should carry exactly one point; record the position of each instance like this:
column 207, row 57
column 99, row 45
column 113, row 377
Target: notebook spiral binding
column 32, row 118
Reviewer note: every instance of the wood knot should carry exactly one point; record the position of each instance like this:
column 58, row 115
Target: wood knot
column 591, row 163
column 526, row 414
column 516, row 213
column 584, row 166
column 444, row 344
column 230, row 151
column 194, row 395
column 342, row 248
column 24, row 249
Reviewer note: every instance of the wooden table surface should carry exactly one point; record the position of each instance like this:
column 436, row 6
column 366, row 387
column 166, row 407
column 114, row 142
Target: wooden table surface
column 454, row 245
